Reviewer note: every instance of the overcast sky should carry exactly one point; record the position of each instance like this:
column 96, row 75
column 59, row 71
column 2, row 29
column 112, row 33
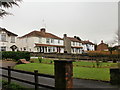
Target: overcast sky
column 94, row 21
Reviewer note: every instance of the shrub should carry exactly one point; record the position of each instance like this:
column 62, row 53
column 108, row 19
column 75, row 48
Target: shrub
column 12, row 86
column 40, row 59
column 15, row 55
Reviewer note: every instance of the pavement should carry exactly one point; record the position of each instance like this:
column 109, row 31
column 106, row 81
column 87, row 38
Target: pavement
column 77, row 83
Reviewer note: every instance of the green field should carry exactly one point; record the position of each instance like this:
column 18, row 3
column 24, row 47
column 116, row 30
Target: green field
column 78, row 72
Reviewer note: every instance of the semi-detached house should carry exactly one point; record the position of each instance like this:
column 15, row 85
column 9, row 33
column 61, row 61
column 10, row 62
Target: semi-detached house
column 7, row 40
column 40, row 41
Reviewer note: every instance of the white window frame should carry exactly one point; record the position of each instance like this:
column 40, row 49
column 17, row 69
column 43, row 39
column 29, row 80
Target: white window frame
column 3, row 48
column 47, row 40
column 52, row 40
column 12, row 39
column 3, row 37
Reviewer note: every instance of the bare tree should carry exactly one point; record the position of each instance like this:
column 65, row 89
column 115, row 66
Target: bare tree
column 115, row 40
column 7, row 4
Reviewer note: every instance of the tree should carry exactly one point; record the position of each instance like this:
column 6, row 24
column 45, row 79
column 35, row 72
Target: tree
column 7, row 4
column 115, row 41
column 111, row 49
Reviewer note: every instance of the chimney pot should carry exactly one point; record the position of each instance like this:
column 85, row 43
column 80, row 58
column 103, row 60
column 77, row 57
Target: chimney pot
column 75, row 37
column 65, row 35
column 101, row 41
column 42, row 29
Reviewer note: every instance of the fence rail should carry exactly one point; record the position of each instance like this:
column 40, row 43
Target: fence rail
column 35, row 73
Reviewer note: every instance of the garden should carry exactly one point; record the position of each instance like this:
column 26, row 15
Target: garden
column 81, row 69
column 84, row 69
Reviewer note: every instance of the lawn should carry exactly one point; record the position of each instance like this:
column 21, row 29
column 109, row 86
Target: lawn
column 78, row 72
column 77, row 63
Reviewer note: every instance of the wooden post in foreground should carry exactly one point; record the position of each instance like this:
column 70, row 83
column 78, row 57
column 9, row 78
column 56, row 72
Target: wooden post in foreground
column 9, row 74
column 115, row 76
column 63, row 74
column 36, row 79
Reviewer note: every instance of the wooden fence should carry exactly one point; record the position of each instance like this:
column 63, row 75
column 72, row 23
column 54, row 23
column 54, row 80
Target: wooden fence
column 35, row 73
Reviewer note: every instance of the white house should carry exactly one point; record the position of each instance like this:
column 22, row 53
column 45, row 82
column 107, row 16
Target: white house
column 7, row 40
column 40, row 41
column 76, row 45
column 88, row 46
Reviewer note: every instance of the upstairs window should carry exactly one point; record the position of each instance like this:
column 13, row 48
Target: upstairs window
column 47, row 40
column 52, row 40
column 58, row 41
column 80, row 44
column 73, row 43
column 12, row 39
column 40, row 40
column 3, row 37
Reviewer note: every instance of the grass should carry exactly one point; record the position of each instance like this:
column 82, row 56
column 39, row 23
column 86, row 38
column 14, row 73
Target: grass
column 11, row 86
column 92, row 73
column 44, row 60
column 78, row 72
column 93, row 64
column 77, row 63
column 42, row 68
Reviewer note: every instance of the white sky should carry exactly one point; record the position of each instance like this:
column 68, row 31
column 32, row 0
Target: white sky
column 92, row 21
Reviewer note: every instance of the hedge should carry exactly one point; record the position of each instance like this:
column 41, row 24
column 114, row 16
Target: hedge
column 15, row 55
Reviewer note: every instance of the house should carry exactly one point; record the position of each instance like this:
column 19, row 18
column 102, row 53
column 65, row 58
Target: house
column 88, row 46
column 72, row 45
column 117, row 47
column 41, row 41
column 7, row 40
column 102, row 46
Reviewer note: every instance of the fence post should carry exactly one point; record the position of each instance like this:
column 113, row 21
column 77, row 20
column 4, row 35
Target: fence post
column 36, row 79
column 9, row 74
column 115, row 76
column 63, row 74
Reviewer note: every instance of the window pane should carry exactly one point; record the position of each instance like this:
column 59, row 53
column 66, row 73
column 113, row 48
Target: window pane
column 12, row 39
column 47, row 40
column 3, row 48
column 3, row 37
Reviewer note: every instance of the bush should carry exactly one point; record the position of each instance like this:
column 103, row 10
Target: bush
column 15, row 55
column 40, row 59
column 11, row 86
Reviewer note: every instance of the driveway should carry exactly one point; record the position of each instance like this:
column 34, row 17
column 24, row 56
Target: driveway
column 7, row 63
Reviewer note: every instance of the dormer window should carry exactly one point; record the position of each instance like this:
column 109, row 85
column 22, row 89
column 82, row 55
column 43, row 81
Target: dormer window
column 3, row 37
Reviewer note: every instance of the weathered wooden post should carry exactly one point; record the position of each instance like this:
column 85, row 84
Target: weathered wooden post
column 115, row 76
column 9, row 74
column 36, row 79
column 63, row 74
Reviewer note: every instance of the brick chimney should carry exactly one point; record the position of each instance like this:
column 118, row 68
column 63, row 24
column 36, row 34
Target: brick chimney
column 101, row 41
column 65, row 35
column 75, row 37
column 43, row 30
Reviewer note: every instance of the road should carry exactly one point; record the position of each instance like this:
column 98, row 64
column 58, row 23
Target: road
column 77, row 83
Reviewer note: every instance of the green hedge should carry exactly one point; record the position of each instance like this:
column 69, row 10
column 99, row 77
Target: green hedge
column 15, row 55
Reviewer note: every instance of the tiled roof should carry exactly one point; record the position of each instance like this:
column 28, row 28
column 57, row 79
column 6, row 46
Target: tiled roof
column 76, row 47
column 41, row 34
column 74, row 39
column 48, row 45
column 8, row 32
column 87, row 42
